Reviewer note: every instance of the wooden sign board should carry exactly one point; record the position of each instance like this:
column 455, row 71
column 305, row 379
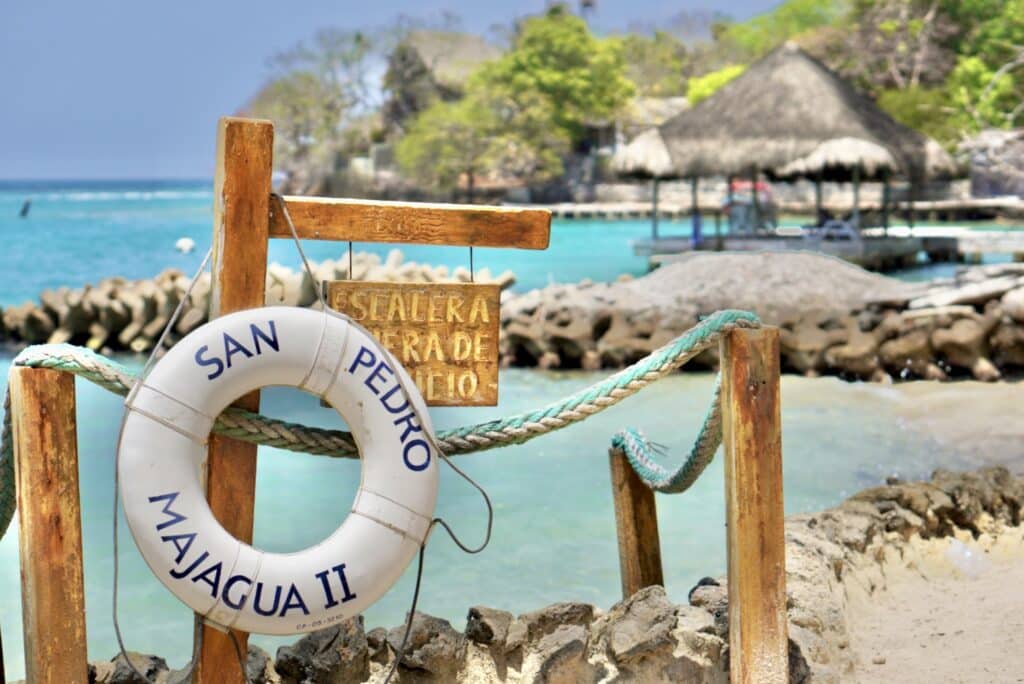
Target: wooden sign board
column 445, row 334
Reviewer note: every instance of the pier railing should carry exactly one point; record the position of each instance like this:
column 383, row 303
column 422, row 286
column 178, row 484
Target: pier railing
column 43, row 412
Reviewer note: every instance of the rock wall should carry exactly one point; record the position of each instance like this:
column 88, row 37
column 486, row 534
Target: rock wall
column 836, row 319
column 830, row 556
column 121, row 315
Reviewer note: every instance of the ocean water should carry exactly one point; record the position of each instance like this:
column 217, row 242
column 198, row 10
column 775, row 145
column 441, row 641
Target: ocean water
column 554, row 530
column 78, row 233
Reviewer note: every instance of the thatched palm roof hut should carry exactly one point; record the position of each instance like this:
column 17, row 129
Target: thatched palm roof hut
column 837, row 159
column 780, row 110
column 646, row 156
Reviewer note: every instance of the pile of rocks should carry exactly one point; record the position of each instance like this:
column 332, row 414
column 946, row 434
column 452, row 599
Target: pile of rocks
column 996, row 161
column 121, row 315
column 830, row 556
column 835, row 317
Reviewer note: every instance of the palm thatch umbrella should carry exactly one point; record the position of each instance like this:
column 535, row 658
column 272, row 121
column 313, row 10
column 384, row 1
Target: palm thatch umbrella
column 646, row 157
column 843, row 159
column 779, row 111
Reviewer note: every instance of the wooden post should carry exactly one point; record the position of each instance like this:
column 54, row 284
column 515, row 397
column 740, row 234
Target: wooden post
column 50, row 525
column 885, row 205
column 856, row 198
column 817, row 201
column 654, row 208
column 910, row 205
column 755, row 202
column 241, row 223
column 694, row 212
column 718, row 230
column 636, row 524
column 752, row 436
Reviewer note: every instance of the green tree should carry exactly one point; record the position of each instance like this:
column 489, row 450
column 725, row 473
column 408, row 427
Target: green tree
column 924, row 109
column 983, row 97
column 993, row 29
column 448, row 141
column 656, row 64
column 484, row 134
column 898, row 44
column 315, row 92
column 526, row 146
column 703, row 87
column 555, row 58
column 756, row 36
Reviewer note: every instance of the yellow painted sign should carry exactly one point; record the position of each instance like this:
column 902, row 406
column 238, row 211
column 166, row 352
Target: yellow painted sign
column 445, row 334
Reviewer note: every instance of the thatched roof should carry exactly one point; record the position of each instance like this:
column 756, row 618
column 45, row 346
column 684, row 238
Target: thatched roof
column 836, row 159
column 778, row 111
column 645, row 157
column 451, row 56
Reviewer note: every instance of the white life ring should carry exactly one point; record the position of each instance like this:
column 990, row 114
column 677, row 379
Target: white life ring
column 162, row 458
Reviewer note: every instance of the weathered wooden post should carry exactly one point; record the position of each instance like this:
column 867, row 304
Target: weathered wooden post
column 636, row 523
column 49, row 526
column 241, row 223
column 752, row 436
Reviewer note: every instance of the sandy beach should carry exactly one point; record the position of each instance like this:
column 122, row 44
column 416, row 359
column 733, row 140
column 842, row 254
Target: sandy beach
column 954, row 612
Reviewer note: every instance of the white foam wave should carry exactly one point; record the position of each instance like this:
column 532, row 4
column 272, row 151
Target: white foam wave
column 126, row 195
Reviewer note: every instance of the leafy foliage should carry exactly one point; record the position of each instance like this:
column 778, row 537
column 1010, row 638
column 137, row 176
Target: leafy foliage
column 703, row 87
column 448, row 140
column 483, row 134
column 982, row 97
column 656, row 64
column 753, row 38
column 921, row 108
column 898, row 44
column 556, row 59
column 316, row 92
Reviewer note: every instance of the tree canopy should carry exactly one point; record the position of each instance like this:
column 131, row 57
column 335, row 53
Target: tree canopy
column 556, row 59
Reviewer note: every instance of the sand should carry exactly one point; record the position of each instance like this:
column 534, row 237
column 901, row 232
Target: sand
column 775, row 285
column 944, row 616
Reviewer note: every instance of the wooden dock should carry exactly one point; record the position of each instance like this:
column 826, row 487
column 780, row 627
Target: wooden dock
column 980, row 208
column 877, row 254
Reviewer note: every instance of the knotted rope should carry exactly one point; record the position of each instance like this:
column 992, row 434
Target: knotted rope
column 253, row 427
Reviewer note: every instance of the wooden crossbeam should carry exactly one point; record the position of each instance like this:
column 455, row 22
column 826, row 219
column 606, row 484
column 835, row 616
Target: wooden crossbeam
column 321, row 218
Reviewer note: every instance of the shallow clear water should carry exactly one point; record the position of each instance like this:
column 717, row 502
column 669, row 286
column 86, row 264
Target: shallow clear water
column 554, row 536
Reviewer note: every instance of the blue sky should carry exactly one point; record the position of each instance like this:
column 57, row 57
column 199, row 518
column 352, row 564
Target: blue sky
column 133, row 89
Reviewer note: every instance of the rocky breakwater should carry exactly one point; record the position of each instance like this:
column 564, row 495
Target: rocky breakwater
column 835, row 317
column 834, row 559
column 124, row 315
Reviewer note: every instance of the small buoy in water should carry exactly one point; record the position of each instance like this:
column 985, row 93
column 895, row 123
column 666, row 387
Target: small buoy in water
column 185, row 245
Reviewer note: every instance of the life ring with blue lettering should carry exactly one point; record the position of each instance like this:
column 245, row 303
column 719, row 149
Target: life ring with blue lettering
column 162, row 458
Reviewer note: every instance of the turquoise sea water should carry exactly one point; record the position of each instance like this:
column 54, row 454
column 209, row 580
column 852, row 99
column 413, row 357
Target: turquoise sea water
column 554, row 535
column 79, row 233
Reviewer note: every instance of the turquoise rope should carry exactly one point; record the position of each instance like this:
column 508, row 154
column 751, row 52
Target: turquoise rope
column 638, row 451
column 514, row 429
